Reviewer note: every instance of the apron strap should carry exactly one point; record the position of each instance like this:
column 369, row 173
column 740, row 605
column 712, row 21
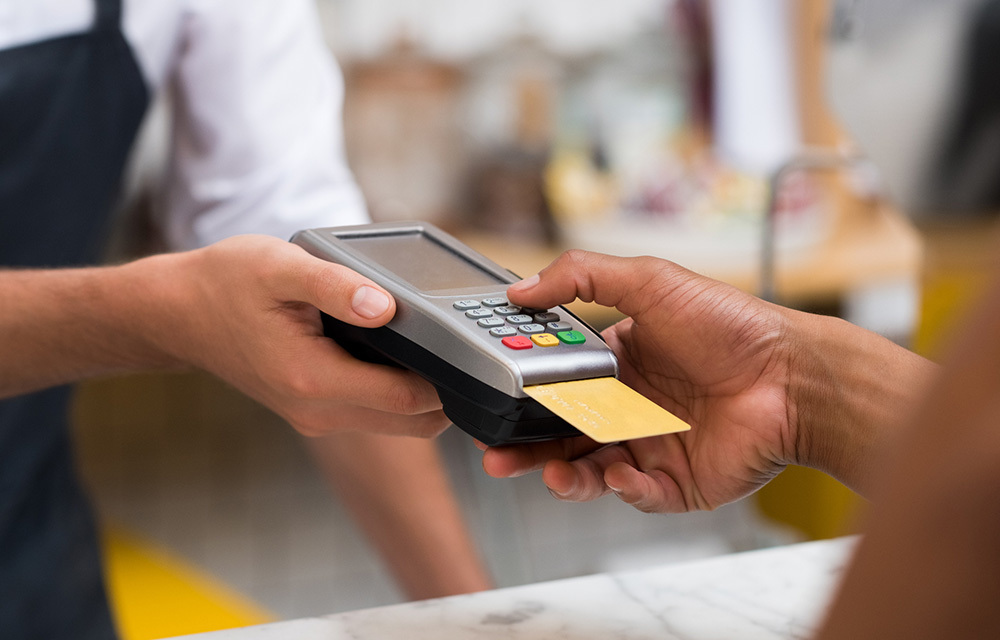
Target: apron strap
column 108, row 15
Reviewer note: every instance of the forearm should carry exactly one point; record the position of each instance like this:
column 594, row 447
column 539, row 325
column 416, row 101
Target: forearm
column 852, row 392
column 398, row 492
column 59, row 326
column 928, row 566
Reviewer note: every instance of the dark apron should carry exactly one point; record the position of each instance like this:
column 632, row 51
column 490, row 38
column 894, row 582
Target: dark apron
column 69, row 111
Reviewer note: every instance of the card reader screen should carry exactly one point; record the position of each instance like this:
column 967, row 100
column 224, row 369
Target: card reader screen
column 422, row 262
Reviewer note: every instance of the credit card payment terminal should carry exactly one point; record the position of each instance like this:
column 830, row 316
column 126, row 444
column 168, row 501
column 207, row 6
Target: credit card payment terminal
column 455, row 327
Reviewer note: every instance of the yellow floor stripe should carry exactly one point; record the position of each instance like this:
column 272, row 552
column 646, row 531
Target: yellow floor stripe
column 155, row 594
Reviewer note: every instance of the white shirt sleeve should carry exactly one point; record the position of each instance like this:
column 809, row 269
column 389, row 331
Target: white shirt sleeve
column 257, row 144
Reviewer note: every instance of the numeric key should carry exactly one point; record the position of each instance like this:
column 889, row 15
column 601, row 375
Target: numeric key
column 506, row 311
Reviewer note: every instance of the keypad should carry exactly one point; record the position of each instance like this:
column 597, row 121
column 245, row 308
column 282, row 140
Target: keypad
column 520, row 328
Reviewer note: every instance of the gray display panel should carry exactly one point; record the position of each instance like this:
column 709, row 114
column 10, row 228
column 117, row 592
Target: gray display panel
column 422, row 262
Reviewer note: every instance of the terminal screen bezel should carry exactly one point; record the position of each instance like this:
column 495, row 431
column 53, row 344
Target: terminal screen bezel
column 423, row 262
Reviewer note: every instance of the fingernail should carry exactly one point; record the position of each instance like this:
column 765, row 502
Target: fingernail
column 527, row 283
column 370, row 303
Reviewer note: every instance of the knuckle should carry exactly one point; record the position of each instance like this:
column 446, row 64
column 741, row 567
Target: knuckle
column 429, row 426
column 408, row 399
column 304, row 419
column 653, row 265
column 645, row 503
column 575, row 264
column 573, row 258
column 640, row 502
column 404, row 399
column 322, row 284
column 263, row 259
column 301, row 384
column 308, row 430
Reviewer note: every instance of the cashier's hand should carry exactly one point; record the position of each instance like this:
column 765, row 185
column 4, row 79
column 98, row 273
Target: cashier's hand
column 710, row 354
column 247, row 310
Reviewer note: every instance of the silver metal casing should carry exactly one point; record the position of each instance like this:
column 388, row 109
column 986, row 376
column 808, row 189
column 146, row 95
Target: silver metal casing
column 429, row 319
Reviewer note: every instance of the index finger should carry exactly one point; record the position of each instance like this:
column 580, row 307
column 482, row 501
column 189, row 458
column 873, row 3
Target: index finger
column 610, row 281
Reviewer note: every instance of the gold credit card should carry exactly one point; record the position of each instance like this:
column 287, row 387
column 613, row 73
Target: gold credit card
column 606, row 409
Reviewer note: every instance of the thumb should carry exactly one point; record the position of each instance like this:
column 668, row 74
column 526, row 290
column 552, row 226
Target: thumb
column 334, row 289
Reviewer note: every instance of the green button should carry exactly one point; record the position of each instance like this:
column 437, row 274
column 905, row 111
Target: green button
column 571, row 337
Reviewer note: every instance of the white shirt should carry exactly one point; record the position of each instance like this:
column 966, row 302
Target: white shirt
column 257, row 143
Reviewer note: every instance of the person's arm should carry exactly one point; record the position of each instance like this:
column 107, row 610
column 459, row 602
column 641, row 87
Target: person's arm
column 258, row 147
column 853, row 393
column 400, row 495
column 245, row 309
column 929, row 562
column 60, row 326
column 762, row 387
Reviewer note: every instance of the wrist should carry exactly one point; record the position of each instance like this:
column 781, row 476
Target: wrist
column 813, row 391
column 153, row 309
column 850, row 391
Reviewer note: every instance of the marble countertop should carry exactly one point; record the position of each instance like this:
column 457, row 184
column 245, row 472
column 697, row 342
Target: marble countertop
column 771, row 594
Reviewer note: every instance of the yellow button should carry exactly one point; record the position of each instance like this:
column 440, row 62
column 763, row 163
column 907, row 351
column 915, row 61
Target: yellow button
column 545, row 340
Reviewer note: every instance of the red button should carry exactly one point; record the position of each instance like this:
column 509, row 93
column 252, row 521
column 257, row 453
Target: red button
column 517, row 342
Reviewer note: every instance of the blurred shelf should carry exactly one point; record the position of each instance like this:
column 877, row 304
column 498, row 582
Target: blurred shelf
column 865, row 245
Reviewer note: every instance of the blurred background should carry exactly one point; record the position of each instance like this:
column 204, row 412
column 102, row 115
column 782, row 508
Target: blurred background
column 665, row 127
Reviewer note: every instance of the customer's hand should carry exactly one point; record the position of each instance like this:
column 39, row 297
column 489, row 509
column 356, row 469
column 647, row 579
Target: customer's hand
column 247, row 310
column 761, row 386
column 703, row 350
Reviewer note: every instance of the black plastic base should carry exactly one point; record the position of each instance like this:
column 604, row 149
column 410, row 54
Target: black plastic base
column 489, row 415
